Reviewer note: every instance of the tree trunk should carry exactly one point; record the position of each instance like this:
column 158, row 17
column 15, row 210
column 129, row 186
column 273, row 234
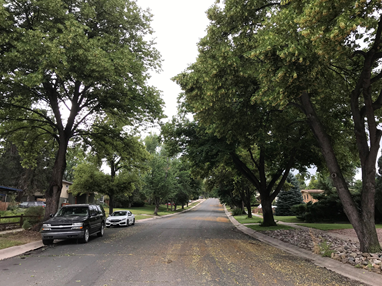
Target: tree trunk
column 266, row 204
column 111, row 204
column 362, row 220
column 156, row 200
column 248, row 202
column 53, row 193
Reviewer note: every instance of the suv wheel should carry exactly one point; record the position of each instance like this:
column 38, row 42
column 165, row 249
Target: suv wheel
column 85, row 239
column 101, row 231
column 47, row 241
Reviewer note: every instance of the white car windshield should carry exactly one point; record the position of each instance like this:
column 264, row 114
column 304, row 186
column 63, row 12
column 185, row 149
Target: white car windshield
column 118, row 213
column 73, row 211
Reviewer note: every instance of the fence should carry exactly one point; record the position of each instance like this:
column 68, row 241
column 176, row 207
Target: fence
column 14, row 223
column 3, row 206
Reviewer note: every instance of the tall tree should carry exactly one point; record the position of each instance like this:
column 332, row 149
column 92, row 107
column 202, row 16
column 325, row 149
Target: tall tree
column 289, row 197
column 75, row 59
column 160, row 180
column 267, row 141
column 325, row 58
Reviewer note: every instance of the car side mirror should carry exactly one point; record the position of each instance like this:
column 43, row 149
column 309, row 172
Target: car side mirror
column 129, row 214
column 51, row 215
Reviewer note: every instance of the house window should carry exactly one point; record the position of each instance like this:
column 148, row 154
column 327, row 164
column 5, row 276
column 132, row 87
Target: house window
column 67, row 186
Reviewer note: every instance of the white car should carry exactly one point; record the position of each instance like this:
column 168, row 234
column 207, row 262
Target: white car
column 120, row 218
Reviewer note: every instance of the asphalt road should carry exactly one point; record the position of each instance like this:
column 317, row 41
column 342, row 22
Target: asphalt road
column 200, row 247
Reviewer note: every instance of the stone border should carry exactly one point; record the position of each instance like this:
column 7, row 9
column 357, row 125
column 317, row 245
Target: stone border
column 346, row 270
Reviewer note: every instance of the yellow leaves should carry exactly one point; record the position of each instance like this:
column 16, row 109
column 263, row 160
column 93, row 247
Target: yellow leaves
column 305, row 33
column 342, row 25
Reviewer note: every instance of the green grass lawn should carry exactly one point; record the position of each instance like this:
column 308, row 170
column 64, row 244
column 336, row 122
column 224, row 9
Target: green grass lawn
column 264, row 228
column 148, row 210
column 331, row 226
column 5, row 243
column 244, row 219
column 291, row 219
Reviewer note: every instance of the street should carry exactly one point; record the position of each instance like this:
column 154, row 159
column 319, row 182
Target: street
column 199, row 247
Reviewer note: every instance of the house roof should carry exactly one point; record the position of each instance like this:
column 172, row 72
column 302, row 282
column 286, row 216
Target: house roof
column 2, row 188
column 312, row 191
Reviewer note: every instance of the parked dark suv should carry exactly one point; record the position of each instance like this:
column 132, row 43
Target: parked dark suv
column 74, row 221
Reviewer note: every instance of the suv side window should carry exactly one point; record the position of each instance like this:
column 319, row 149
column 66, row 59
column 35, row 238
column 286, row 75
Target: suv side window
column 98, row 209
column 93, row 210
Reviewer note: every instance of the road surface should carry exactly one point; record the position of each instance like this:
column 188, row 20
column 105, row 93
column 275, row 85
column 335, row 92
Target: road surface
column 199, row 247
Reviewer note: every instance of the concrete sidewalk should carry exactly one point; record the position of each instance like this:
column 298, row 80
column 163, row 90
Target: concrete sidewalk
column 369, row 278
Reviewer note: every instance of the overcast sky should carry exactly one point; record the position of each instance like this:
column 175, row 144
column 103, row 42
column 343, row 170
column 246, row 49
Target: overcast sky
column 178, row 26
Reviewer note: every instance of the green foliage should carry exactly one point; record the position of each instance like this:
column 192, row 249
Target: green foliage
column 299, row 211
column 325, row 250
column 27, row 225
column 30, row 180
column 37, row 214
column 237, row 211
column 289, row 198
column 91, row 59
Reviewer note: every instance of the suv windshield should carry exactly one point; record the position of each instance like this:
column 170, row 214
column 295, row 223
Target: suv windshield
column 118, row 213
column 73, row 211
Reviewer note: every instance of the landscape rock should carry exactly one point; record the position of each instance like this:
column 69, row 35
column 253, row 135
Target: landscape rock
column 345, row 251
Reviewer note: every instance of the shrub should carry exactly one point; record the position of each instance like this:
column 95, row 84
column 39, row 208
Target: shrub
column 27, row 225
column 299, row 211
column 138, row 204
column 237, row 211
column 288, row 198
column 37, row 214
column 12, row 207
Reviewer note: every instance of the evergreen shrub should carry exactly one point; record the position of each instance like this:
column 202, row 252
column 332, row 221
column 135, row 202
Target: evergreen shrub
column 37, row 214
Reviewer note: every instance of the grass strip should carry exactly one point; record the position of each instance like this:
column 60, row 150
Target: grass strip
column 264, row 228
column 243, row 219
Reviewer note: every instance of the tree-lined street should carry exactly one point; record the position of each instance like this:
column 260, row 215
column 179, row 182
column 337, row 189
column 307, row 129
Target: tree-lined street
column 199, row 247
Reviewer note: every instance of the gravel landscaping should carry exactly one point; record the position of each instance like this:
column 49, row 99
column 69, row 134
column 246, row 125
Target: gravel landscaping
column 320, row 242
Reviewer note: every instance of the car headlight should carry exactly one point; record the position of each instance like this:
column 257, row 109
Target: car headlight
column 46, row 226
column 77, row 225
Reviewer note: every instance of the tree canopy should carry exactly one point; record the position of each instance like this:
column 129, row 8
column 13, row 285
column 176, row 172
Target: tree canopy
column 66, row 65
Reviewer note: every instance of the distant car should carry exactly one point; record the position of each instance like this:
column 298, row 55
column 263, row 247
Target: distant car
column 120, row 218
column 75, row 222
column 32, row 204
column 169, row 204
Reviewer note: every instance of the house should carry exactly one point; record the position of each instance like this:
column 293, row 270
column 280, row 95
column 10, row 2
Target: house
column 4, row 193
column 65, row 196
column 307, row 195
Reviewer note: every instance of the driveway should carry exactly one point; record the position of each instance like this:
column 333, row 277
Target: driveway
column 200, row 247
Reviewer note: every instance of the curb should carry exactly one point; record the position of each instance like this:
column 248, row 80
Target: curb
column 346, row 270
column 20, row 249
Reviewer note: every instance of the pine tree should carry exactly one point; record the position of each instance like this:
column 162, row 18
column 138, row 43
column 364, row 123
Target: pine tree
column 288, row 198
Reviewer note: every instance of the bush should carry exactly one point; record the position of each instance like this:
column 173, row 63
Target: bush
column 12, row 207
column 237, row 211
column 27, row 225
column 138, row 204
column 299, row 211
column 288, row 198
column 36, row 212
